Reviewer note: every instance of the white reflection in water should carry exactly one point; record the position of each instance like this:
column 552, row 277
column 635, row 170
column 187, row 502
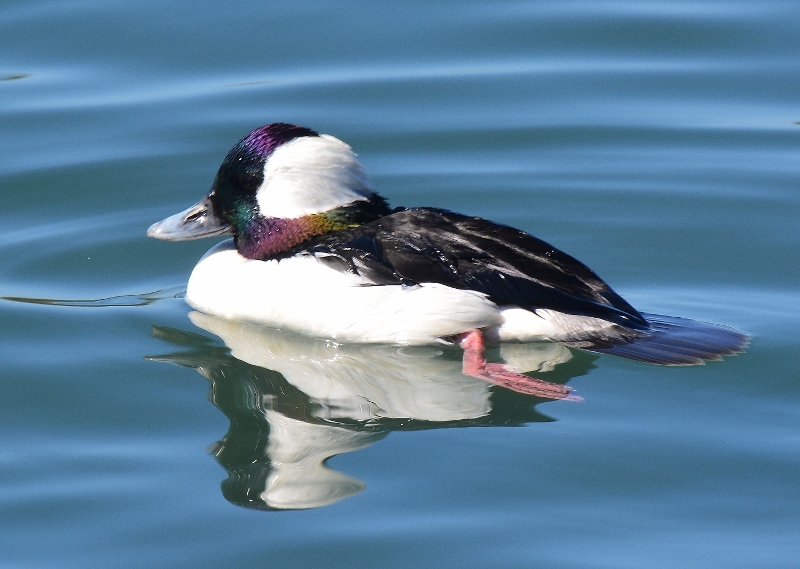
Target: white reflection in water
column 296, row 401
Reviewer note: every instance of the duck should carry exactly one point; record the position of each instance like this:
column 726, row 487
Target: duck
column 312, row 248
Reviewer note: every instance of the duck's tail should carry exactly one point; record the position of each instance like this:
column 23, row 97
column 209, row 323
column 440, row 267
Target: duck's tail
column 673, row 341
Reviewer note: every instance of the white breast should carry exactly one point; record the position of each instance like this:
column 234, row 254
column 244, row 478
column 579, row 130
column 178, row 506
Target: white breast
column 304, row 295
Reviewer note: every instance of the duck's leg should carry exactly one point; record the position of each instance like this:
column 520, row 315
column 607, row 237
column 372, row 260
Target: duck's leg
column 475, row 365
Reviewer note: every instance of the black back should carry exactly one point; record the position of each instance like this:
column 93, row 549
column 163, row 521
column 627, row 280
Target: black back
column 511, row 267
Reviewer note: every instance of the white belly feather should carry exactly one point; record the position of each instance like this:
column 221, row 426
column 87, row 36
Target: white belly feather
column 304, row 295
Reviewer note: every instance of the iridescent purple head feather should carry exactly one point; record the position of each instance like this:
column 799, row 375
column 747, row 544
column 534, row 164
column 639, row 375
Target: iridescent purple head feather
column 265, row 139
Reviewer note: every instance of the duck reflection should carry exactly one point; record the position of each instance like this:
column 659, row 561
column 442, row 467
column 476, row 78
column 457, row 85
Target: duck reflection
column 295, row 401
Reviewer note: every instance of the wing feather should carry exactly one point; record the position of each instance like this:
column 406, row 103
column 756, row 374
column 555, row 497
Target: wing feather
column 512, row 267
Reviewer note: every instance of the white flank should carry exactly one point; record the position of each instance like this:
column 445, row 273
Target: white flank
column 304, row 295
column 301, row 294
column 543, row 324
column 311, row 174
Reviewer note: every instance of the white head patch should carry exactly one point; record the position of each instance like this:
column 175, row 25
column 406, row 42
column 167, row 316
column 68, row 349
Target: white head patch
column 311, row 174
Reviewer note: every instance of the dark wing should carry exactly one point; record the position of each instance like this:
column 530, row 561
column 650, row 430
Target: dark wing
column 515, row 269
column 510, row 266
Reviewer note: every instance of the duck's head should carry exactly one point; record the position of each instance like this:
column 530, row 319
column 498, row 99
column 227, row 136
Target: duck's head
column 278, row 186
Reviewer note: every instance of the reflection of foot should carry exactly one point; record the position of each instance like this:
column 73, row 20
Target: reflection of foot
column 475, row 365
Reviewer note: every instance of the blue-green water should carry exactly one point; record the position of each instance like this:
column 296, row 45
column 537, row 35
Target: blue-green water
column 656, row 141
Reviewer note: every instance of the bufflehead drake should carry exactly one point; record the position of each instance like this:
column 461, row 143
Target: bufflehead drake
column 316, row 250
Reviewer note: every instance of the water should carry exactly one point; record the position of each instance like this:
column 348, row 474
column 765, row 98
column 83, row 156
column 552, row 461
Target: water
column 657, row 142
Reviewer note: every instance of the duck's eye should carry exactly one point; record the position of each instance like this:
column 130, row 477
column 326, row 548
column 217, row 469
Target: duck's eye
column 250, row 181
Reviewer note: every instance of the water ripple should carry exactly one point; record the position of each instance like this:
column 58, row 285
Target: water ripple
column 143, row 299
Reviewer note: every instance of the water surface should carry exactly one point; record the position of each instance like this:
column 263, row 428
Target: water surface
column 657, row 142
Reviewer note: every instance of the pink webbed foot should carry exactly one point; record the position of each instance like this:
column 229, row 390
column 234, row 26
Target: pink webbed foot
column 475, row 365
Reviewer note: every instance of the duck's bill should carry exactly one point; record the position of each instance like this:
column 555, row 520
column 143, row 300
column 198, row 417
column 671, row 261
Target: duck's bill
column 194, row 223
